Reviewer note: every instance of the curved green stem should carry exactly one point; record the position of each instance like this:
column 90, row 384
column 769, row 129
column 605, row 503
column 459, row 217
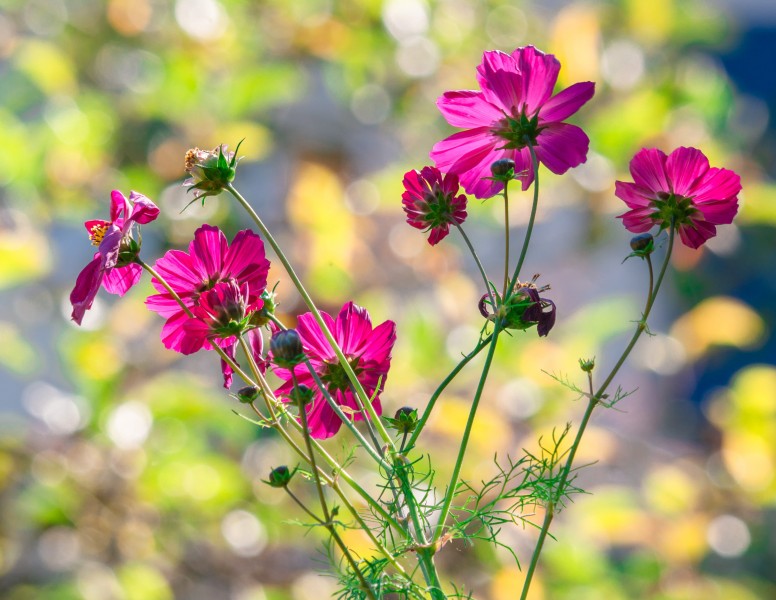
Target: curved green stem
column 593, row 401
column 531, row 220
column 452, row 486
column 479, row 264
column 506, row 241
column 313, row 308
column 435, row 396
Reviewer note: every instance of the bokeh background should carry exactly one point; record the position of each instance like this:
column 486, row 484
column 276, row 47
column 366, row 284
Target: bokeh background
column 125, row 474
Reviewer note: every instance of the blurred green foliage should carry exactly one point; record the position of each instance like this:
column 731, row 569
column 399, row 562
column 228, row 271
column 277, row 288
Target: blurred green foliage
column 131, row 477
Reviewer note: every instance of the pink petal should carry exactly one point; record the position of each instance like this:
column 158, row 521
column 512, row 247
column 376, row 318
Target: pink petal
column 684, row 166
column 226, row 370
column 120, row 280
column 351, row 328
column 322, row 421
column 194, row 335
column 86, row 286
column 719, row 212
column 463, row 150
column 717, row 184
column 506, row 91
column 562, row 147
column 539, row 73
column 207, row 251
column 174, row 336
column 144, row 211
column 565, row 103
column 118, row 205
column 380, row 343
column 648, row 168
column 95, row 223
column 313, row 337
column 638, row 220
column 179, row 270
column 468, row 109
column 694, row 237
column 633, row 195
column 246, row 261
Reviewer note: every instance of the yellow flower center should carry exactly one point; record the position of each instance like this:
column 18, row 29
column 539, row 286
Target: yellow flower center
column 97, row 233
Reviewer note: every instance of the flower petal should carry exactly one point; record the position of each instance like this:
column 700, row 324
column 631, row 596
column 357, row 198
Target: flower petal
column 694, row 236
column 539, row 74
column 144, row 211
column 717, row 184
column 120, row 280
column 565, row 103
column 207, row 251
column 684, row 166
column 468, row 109
column 118, row 205
column 86, row 286
column 648, row 168
column 561, row 147
column 633, row 195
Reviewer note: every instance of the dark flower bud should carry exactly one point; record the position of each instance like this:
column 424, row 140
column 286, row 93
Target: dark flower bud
column 643, row 244
column 263, row 316
column 280, row 477
column 301, row 394
column 248, row 394
column 405, row 420
column 286, row 348
column 587, row 364
column 503, row 169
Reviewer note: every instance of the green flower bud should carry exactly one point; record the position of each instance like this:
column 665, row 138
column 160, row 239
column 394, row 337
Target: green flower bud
column 301, row 394
column 503, row 169
column 286, row 348
column 643, row 244
column 211, row 170
column 587, row 364
column 405, row 420
column 248, row 394
column 280, row 477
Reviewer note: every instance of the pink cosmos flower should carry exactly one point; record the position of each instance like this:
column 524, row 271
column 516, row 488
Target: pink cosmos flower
column 681, row 186
column 210, row 261
column 514, row 108
column 112, row 265
column 367, row 349
column 431, row 203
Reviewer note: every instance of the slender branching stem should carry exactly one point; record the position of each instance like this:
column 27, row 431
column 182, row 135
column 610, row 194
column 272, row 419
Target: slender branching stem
column 311, row 305
column 453, row 485
column 479, row 264
column 531, row 220
column 593, row 400
column 438, row 392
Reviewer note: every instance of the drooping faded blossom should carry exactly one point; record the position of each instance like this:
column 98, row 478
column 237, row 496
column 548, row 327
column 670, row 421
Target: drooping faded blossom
column 368, row 351
column 682, row 188
column 513, row 109
column 112, row 266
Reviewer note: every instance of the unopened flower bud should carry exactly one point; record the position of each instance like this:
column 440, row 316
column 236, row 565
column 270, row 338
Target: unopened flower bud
column 405, row 420
column 503, row 169
column 263, row 316
column 643, row 244
column 211, row 170
column 301, row 394
column 587, row 364
column 280, row 477
column 248, row 394
column 286, row 348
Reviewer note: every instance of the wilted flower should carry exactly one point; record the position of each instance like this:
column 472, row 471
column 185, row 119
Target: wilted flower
column 681, row 187
column 113, row 265
column 524, row 308
column 514, row 108
column 431, row 203
column 367, row 349
column 211, row 170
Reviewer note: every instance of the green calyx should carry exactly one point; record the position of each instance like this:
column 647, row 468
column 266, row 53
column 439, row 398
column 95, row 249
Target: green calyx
column 212, row 175
column 673, row 208
column 336, row 379
column 519, row 132
column 512, row 312
column 437, row 210
column 129, row 250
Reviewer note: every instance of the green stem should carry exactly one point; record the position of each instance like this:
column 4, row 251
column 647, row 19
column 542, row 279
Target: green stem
column 593, row 401
column 435, row 396
column 452, row 486
column 531, row 219
column 313, row 308
column 479, row 264
column 506, row 241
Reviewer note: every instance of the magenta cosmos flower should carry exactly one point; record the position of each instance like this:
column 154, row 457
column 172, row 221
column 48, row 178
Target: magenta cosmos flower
column 210, row 261
column 514, row 108
column 431, row 203
column 681, row 186
column 367, row 349
column 112, row 265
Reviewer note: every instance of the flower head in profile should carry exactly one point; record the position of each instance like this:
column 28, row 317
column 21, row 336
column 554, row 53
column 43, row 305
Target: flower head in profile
column 523, row 309
column 367, row 349
column 513, row 109
column 211, row 171
column 682, row 189
column 220, row 284
column 112, row 266
column 431, row 202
